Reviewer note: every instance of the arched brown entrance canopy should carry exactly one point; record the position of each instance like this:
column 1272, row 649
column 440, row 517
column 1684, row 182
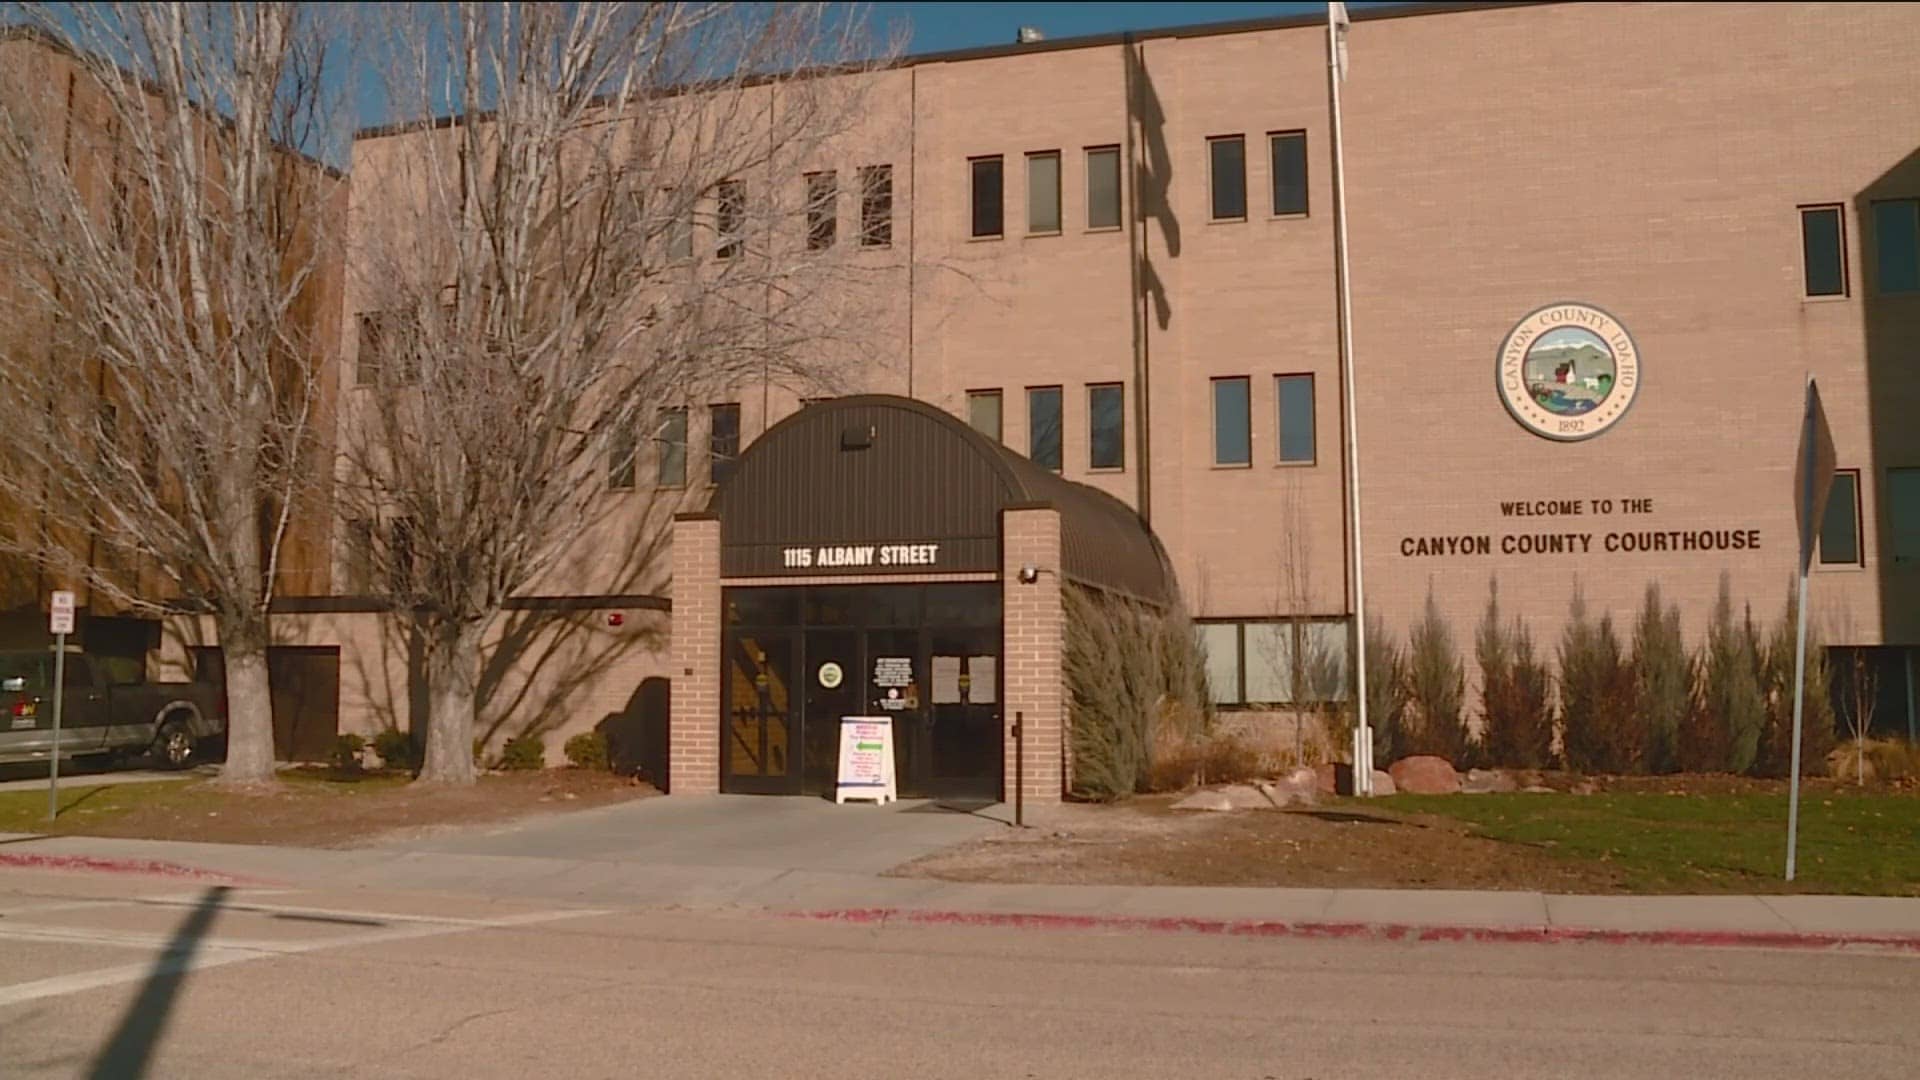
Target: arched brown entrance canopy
column 878, row 484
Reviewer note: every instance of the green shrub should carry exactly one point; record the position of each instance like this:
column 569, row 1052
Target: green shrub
column 1663, row 681
column 587, row 750
column 396, row 749
column 1734, row 696
column 524, row 753
column 1817, row 722
column 1514, row 685
column 1130, row 670
column 1597, row 710
column 1893, row 759
column 1436, row 691
column 345, row 753
column 1386, row 693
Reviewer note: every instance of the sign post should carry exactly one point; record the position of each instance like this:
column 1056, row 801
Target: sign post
column 866, row 761
column 60, row 621
column 1815, row 482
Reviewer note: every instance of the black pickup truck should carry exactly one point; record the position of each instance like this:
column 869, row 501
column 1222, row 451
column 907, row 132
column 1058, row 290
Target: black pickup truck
column 108, row 709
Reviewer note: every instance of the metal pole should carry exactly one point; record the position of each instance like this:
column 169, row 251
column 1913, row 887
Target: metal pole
column 1800, row 637
column 59, row 688
column 1020, row 769
column 1362, row 783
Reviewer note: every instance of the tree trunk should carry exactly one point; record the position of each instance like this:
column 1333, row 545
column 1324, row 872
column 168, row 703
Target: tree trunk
column 249, row 703
column 453, row 666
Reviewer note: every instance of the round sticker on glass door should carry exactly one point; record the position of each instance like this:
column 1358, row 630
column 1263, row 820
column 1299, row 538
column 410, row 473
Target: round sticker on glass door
column 830, row 675
column 1568, row 371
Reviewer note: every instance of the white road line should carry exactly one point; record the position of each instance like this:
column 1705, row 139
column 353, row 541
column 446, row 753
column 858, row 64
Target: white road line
column 217, row 952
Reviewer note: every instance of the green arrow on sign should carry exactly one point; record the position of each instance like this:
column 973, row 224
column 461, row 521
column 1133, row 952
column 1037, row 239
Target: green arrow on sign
column 866, row 746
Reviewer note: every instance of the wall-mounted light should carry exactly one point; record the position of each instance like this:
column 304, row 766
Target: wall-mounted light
column 616, row 618
column 1030, row 574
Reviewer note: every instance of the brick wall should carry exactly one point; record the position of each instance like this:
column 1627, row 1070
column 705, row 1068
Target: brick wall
column 694, row 732
column 1033, row 643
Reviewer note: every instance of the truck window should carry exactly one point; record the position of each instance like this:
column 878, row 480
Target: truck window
column 122, row 670
column 22, row 673
column 78, row 673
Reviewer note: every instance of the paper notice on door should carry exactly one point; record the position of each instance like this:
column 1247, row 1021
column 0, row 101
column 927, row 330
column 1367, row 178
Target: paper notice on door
column 981, row 679
column 946, row 680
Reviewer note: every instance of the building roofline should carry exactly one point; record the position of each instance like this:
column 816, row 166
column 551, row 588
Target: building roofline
column 1084, row 41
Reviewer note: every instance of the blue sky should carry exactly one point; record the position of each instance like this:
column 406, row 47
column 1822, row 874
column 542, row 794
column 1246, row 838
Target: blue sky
column 938, row 27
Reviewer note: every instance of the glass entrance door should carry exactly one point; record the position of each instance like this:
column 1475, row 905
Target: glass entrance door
column 833, row 690
column 758, row 752
column 965, row 757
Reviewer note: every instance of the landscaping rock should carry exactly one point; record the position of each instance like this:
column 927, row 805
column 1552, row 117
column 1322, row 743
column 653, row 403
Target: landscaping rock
column 1205, row 800
column 1425, row 775
column 1245, row 797
column 1325, row 779
column 1383, row 783
column 1537, row 789
column 1289, row 792
column 1585, row 787
column 1489, row 781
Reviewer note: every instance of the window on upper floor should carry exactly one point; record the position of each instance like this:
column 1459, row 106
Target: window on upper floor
column 1896, row 244
column 1288, row 151
column 1106, row 426
column 988, row 196
column 1840, row 527
column 1823, row 250
column 1232, row 427
column 1903, row 513
column 679, row 230
column 1103, row 187
column 1044, row 426
column 823, row 218
column 730, row 218
column 623, row 448
column 876, row 206
column 1294, row 397
column 723, row 440
column 1043, row 192
column 1227, row 172
column 983, row 412
column 670, row 439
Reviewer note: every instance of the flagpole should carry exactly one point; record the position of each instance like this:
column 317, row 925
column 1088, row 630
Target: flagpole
column 1336, row 74
column 1809, row 487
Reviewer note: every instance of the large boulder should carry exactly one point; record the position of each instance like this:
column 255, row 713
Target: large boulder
column 1383, row 783
column 1489, row 781
column 1294, row 789
column 1326, row 778
column 1424, row 775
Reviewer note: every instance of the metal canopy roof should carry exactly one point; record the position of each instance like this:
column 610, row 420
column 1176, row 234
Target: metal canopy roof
column 890, row 474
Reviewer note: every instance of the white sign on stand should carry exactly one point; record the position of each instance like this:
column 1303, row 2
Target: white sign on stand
column 866, row 760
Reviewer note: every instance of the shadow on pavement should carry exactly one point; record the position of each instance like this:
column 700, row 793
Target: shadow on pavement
column 131, row 1050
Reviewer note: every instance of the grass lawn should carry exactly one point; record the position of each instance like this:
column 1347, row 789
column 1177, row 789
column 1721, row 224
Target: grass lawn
column 1866, row 844
column 85, row 806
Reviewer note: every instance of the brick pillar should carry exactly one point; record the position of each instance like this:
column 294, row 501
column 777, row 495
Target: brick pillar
column 693, row 740
column 1034, row 635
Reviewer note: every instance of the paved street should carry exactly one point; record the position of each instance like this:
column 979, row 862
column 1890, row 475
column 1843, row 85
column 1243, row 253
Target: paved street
column 109, row 975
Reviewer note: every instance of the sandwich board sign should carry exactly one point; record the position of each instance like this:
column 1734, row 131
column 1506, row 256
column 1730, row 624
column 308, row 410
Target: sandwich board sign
column 866, row 760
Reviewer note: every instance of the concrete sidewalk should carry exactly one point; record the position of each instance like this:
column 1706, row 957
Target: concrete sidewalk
column 1395, row 913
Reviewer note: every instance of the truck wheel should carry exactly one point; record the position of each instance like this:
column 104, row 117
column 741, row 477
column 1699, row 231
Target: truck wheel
column 174, row 747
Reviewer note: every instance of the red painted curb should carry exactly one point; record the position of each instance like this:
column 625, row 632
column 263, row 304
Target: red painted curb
column 89, row 863
column 1532, row 935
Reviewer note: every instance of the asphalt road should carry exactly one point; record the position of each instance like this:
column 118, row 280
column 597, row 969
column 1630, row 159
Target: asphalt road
column 110, row 976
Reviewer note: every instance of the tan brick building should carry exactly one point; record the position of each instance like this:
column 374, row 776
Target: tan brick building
column 1116, row 256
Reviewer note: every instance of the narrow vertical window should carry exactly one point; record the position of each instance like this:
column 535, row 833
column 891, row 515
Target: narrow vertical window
column 823, row 193
column 1823, row 250
column 622, row 447
column 1289, row 153
column 1043, row 192
column 1227, row 161
column 1106, row 426
column 1903, row 513
column 723, row 441
column 983, row 412
column 1840, row 528
column 876, row 206
column 671, row 436
column 729, row 217
column 1232, row 437
column 1220, row 642
column 1295, row 396
column 1896, row 243
column 1043, row 426
column 989, row 198
column 1103, row 187
column 679, row 227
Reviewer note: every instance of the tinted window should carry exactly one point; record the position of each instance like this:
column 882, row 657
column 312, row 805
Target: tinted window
column 724, row 441
column 1229, row 170
column 1840, row 528
column 79, row 672
column 1221, row 644
column 876, row 206
column 1106, row 427
column 1896, row 241
column 1043, row 426
column 1043, row 192
column 621, row 448
column 730, row 217
column 1289, row 151
column 1103, row 188
column 1903, row 513
column 22, row 673
column 672, row 438
column 773, row 606
column 983, row 412
column 822, row 219
column 679, row 230
column 1232, row 441
column 1822, row 251
column 988, row 197
column 1295, row 394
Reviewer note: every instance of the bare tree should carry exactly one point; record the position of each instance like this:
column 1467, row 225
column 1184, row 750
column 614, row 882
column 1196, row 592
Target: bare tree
column 1296, row 647
column 168, row 250
column 612, row 229
column 1862, row 699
